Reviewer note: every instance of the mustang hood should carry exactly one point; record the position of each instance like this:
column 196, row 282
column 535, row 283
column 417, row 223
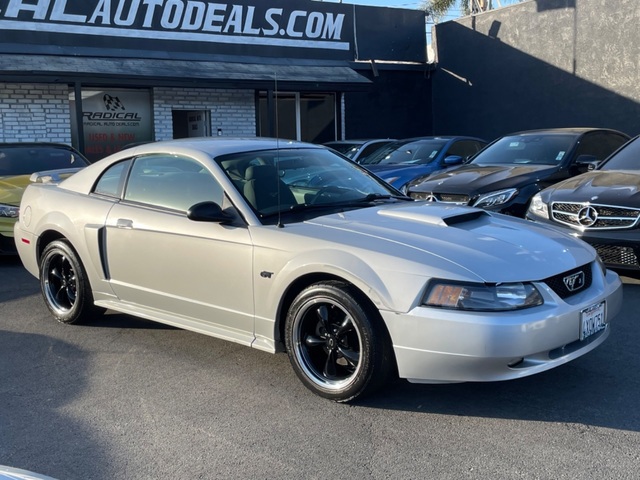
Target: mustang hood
column 12, row 188
column 603, row 187
column 467, row 242
column 472, row 179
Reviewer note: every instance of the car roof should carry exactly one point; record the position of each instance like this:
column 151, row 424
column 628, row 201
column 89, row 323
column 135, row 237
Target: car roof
column 565, row 130
column 216, row 146
column 358, row 141
column 32, row 145
column 35, row 144
column 440, row 137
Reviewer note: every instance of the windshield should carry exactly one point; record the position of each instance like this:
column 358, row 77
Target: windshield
column 290, row 180
column 412, row 152
column 29, row 159
column 543, row 149
column 626, row 159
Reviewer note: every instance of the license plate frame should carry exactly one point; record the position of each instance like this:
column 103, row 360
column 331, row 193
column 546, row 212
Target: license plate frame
column 593, row 319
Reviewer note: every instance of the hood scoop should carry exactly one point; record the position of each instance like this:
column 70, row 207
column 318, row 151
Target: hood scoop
column 433, row 214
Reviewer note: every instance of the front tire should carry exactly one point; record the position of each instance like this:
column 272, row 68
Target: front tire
column 64, row 284
column 337, row 343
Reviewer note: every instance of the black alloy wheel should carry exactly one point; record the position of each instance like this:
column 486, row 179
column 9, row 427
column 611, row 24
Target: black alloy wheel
column 64, row 284
column 337, row 343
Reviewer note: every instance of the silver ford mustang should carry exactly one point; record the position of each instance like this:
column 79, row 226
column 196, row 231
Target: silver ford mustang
column 276, row 244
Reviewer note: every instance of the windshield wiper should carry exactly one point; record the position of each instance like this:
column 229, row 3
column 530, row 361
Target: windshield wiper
column 306, row 207
column 372, row 197
column 355, row 203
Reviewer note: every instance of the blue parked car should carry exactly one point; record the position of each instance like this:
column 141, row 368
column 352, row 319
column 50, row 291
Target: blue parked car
column 401, row 161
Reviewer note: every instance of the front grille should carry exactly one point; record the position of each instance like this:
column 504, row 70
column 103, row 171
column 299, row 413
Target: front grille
column 614, row 255
column 422, row 196
column 561, row 284
column 440, row 197
column 588, row 216
column 453, row 198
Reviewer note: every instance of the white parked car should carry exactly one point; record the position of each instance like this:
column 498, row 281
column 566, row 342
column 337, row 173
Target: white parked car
column 283, row 245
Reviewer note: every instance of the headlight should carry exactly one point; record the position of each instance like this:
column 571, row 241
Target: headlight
column 538, row 208
column 481, row 297
column 9, row 211
column 495, row 198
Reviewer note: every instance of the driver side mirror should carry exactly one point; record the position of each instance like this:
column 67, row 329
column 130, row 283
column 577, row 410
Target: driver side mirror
column 586, row 163
column 453, row 160
column 208, row 212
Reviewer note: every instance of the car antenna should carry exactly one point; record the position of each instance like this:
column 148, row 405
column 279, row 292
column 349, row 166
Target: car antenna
column 275, row 93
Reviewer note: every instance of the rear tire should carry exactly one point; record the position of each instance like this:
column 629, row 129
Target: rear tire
column 64, row 284
column 337, row 342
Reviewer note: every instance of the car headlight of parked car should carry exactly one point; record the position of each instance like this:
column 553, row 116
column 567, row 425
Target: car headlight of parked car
column 495, row 198
column 538, row 208
column 9, row 211
column 481, row 297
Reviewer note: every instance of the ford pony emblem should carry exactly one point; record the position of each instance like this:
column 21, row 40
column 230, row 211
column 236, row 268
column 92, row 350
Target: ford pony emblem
column 574, row 282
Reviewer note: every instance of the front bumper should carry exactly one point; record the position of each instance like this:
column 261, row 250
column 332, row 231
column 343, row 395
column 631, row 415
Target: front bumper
column 440, row 346
column 618, row 248
column 25, row 245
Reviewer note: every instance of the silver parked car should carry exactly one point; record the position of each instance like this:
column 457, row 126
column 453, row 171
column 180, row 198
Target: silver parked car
column 276, row 245
column 359, row 150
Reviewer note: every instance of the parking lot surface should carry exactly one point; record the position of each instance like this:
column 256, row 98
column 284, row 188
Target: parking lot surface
column 125, row 398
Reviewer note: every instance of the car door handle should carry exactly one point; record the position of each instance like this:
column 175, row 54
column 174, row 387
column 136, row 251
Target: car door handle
column 124, row 223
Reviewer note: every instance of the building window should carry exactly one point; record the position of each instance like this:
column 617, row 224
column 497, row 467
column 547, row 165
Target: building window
column 191, row 123
column 112, row 119
column 309, row 117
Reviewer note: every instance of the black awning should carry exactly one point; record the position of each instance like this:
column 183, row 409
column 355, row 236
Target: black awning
column 165, row 72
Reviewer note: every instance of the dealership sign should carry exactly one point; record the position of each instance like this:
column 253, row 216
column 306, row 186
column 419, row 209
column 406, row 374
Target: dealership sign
column 242, row 24
column 113, row 119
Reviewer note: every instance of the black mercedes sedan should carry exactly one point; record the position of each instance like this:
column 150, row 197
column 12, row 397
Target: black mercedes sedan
column 602, row 207
column 505, row 175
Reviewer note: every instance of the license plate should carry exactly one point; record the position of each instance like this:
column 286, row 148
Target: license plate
column 592, row 320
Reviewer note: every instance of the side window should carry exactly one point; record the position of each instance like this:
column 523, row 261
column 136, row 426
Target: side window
column 464, row 148
column 112, row 179
column 171, row 181
column 600, row 144
column 369, row 149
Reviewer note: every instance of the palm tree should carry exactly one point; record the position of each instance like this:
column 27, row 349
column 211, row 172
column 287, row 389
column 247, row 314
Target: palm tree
column 439, row 8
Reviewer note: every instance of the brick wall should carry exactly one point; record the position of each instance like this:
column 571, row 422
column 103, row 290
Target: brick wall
column 232, row 111
column 34, row 112
column 40, row 112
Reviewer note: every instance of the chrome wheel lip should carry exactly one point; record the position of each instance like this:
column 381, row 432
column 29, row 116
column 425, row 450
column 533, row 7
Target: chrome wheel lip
column 301, row 351
column 62, row 284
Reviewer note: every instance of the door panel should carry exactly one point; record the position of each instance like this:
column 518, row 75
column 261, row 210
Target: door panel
column 164, row 261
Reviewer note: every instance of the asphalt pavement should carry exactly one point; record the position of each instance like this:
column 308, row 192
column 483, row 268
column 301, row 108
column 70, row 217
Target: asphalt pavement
column 130, row 399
